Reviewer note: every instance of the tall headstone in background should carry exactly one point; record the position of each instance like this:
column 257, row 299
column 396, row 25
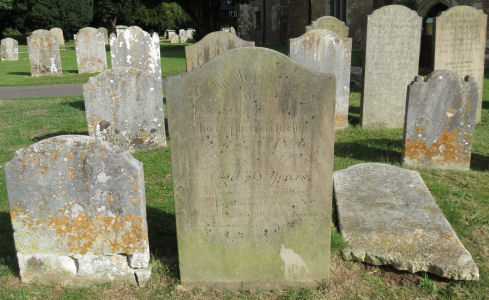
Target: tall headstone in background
column 440, row 121
column 391, row 63
column 90, row 51
column 105, row 33
column 44, row 54
column 330, row 23
column 124, row 108
column 182, row 35
column 58, row 33
column 78, row 211
column 324, row 51
column 212, row 45
column 10, row 49
column 460, row 44
column 252, row 159
column 135, row 48
column 120, row 28
column 190, row 34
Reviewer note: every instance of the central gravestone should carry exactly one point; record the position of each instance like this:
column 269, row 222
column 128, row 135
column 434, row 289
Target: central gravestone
column 90, row 51
column 391, row 63
column 44, row 55
column 252, row 158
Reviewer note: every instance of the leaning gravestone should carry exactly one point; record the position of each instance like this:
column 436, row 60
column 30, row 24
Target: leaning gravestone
column 387, row 216
column 10, row 49
column 58, row 33
column 124, row 109
column 391, row 63
column 440, row 121
column 105, row 33
column 135, row 48
column 78, row 211
column 90, row 51
column 182, row 35
column 460, row 44
column 252, row 158
column 330, row 23
column 212, row 45
column 324, row 51
column 44, row 54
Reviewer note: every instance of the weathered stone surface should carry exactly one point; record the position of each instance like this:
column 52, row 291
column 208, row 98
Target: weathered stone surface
column 90, row 51
column 229, row 29
column 387, row 216
column 460, row 42
column 135, row 48
column 125, row 109
column 105, row 33
column 212, row 45
column 120, row 28
column 37, row 31
column 173, row 37
column 10, row 49
column 78, row 212
column 440, row 121
column 190, row 34
column 44, row 55
column 330, row 23
column 324, row 51
column 182, row 35
column 252, row 157
column 58, row 33
column 391, row 63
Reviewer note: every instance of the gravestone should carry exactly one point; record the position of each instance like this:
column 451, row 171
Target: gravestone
column 10, row 49
column 182, row 35
column 135, row 48
column 440, row 121
column 58, row 33
column 124, row 108
column 391, row 63
column 120, row 28
column 44, row 54
column 212, row 45
column 173, row 37
column 330, row 23
column 229, row 29
column 252, row 158
column 460, row 44
column 387, row 216
column 105, row 33
column 324, row 51
column 78, row 212
column 43, row 31
column 190, row 34
column 90, row 51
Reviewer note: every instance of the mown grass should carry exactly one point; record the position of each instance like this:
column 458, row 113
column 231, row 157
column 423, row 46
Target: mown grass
column 463, row 197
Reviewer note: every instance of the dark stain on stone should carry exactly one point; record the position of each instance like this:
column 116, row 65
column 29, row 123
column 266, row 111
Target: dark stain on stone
column 104, row 125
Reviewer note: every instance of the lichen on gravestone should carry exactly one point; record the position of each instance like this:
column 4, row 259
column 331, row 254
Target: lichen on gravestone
column 90, row 51
column 44, row 54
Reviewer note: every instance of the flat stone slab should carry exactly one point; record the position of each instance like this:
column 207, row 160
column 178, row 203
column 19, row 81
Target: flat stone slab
column 388, row 217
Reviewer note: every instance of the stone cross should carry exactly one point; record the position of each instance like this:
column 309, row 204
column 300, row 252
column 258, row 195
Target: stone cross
column 10, row 49
column 90, row 51
column 330, row 23
column 58, row 33
column 44, row 55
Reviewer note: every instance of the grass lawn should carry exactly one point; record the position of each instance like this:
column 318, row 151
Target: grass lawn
column 463, row 197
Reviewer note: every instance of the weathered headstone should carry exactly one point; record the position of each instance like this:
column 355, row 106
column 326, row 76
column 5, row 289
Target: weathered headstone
column 190, row 34
column 460, row 44
column 391, row 63
column 330, row 23
column 135, row 48
column 324, row 51
column 90, row 51
column 78, row 211
column 212, row 45
column 105, row 33
column 124, row 108
column 182, row 35
column 10, row 49
column 252, row 158
column 168, row 32
column 44, row 54
column 387, row 216
column 229, row 29
column 43, row 31
column 440, row 121
column 58, row 33
column 120, row 28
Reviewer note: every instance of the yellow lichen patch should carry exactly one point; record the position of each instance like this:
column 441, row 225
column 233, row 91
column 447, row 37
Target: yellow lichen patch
column 54, row 155
column 110, row 197
column 340, row 120
column 21, row 176
column 69, row 156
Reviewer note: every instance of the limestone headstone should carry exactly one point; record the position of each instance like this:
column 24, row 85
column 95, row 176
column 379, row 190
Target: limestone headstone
column 90, row 51
column 460, row 44
column 124, row 108
column 120, row 28
column 44, row 31
column 190, row 34
column 440, row 121
column 182, row 35
column 324, row 51
column 168, row 32
column 387, row 216
column 135, row 48
column 44, row 54
column 252, row 158
column 330, row 23
column 212, row 45
column 229, row 29
column 391, row 63
column 58, row 33
column 78, row 211
column 105, row 33
column 10, row 49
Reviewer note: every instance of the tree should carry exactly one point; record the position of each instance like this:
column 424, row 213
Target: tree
column 5, row 14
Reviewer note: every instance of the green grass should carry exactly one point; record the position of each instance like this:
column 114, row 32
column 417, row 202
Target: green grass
column 463, row 197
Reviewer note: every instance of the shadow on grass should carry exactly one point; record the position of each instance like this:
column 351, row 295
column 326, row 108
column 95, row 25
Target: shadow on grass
column 177, row 51
column 50, row 135
column 363, row 150
column 485, row 104
column 20, row 73
column 71, row 71
column 8, row 255
column 479, row 162
column 354, row 119
column 80, row 105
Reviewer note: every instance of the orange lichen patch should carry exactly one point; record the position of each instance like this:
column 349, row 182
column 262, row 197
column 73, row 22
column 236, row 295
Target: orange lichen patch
column 339, row 120
column 90, row 144
column 104, row 153
column 21, row 176
column 389, row 196
column 110, row 197
column 54, row 155
column 446, row 236
column 69, row 156
column 417, row 130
